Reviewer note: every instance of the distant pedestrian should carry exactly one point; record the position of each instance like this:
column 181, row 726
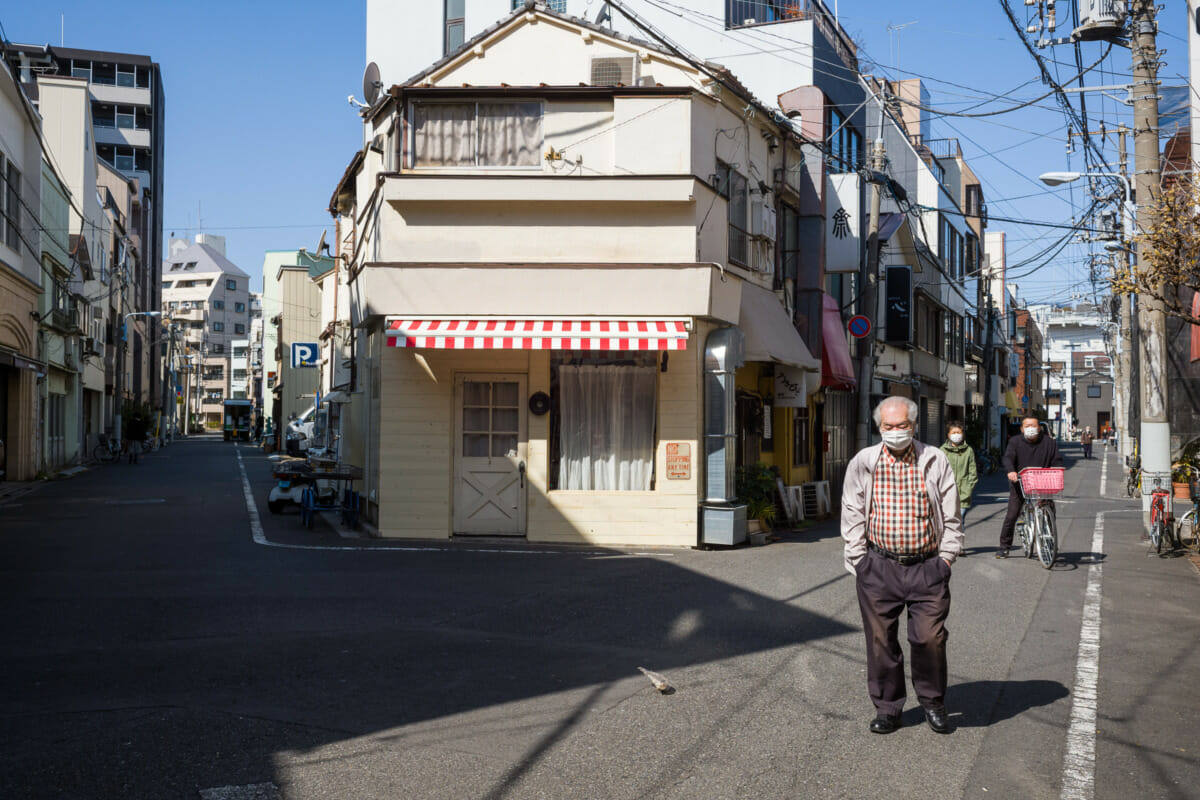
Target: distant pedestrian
column 258, row 428
column 962, row 461
column 135, row 434
column 902, row 530
column 1086, row 439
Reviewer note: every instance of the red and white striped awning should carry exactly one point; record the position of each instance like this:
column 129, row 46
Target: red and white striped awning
column 490, row 333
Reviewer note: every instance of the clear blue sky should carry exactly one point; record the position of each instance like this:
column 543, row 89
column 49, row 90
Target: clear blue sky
column 259, row 131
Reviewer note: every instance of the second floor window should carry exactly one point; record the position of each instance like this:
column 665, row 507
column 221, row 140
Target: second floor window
column 239, row 328
column 455, row 25
column 231, row 285
column 218, row 305
column 483, row 134
column 239, row 307
column 731, row 185
column 218, row 326
column 845, row 143
column 756, row 12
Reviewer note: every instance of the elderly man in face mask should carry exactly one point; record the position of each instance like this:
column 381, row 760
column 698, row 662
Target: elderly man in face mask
column 1032, row 448
column 902, row 527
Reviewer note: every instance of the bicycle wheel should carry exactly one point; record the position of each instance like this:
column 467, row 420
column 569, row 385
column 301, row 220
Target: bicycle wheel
column 1185, row 533
column 1047, row 543
column 103, row 452
column 1025, row 524
column 1156, row 534
column 1130, row 488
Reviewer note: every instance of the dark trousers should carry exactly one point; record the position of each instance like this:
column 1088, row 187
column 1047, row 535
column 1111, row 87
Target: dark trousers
column 885, row 589
column 1087, row 450
column 1015, row 501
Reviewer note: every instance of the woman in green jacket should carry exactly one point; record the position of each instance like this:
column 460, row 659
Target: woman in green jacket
column 962, row 461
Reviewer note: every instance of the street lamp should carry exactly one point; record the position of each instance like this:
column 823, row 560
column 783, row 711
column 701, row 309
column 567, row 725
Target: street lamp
column 1059, row 178
column 121, row 368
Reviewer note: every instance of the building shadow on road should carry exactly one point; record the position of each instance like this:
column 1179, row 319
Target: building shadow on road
column 978, row 704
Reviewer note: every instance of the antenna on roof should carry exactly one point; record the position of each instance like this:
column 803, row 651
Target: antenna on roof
column 604, row 15
column 371, row 83
column 321, row 246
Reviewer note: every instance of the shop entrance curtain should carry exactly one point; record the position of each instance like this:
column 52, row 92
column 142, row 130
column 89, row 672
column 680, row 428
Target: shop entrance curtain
column 607, row 427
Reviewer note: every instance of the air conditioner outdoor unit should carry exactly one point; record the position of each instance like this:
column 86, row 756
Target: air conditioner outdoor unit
column 613, row 70
column 762, row 219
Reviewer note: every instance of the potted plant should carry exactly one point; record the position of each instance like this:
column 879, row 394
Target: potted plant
column 1182, row 474
column 756, row 488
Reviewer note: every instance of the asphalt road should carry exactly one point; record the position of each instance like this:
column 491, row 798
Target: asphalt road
column 154, row 649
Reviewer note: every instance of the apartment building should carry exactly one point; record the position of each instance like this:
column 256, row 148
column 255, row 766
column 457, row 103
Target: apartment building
column 207, row 298
column 127, row 132
column 1074, row 344
column 20, row 279
column 291, row 304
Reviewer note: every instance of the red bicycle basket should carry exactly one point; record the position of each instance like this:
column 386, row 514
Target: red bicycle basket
column 1042, row 481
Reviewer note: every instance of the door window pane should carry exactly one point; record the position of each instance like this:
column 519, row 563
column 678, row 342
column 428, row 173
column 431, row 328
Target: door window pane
column 476, row 393
column 507, row 395
column 475, row 445
column 475, row 419
column 505, row 420
column 504, row 444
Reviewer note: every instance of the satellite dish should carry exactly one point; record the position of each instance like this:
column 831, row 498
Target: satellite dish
column 321, row 244
column 371, row 83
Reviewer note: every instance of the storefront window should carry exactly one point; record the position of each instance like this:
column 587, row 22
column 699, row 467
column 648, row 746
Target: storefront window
column 603, row 426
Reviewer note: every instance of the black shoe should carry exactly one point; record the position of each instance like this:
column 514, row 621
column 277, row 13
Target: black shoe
column 937, row 720
column 1002, row 552
column 885, row 723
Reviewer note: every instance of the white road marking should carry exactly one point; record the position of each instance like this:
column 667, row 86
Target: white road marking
column 250, row 791
column 256, row 530
column 251, row 508
column 1104, row 473
column 1079, row 762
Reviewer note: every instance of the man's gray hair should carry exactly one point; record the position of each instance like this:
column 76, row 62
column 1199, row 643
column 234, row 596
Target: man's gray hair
column 909, row 406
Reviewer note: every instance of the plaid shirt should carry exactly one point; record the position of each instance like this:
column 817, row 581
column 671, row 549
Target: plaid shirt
column 900, row 517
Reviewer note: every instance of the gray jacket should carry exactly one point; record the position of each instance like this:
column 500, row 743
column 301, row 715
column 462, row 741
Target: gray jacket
column 858, row 491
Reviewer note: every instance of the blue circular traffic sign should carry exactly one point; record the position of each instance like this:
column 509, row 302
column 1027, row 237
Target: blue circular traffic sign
column 859, row 326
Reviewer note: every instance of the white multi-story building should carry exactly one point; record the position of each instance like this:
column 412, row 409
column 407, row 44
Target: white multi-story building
column 207, row 298
column 1073, row 345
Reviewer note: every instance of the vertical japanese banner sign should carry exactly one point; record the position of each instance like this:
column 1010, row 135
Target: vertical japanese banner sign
column 843, row 222
column 897, row 319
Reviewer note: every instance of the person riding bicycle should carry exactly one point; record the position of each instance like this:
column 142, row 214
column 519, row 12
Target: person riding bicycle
column 1032, row 448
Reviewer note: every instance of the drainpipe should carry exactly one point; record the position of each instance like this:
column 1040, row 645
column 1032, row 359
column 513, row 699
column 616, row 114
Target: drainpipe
column 722, row 522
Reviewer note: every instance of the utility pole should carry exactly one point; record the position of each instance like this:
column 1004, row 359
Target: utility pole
column 870, row 303
column 1125, row 357
column 988, row 367
column 1155, row 427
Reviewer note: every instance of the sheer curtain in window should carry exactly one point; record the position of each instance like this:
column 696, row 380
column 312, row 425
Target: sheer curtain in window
column 607, row 427
column 510, row 134
column 444, row 135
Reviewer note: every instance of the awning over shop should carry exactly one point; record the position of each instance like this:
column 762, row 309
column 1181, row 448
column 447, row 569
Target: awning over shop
column 837, row 368
column 770, row 335
column 527, row 333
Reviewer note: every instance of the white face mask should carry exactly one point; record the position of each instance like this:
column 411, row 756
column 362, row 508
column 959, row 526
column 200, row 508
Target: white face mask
column 1030, row 433
column 956, row 438
column 897, row 440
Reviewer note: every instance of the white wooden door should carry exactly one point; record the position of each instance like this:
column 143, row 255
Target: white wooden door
column 490, row 450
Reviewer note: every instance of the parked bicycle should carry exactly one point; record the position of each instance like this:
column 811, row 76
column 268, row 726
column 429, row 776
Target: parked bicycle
column 1133, row 481
column 108, row 450
column 986, row 463
column 1162, row 528
column 1039, row 530
column 1187, row 533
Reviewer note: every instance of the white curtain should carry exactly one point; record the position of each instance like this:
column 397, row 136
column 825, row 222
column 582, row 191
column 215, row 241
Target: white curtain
column 444, row 134
column 510, row 134
column 607, row 427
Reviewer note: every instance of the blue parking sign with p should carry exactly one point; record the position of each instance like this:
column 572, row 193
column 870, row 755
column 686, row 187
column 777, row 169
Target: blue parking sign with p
column 305, row 354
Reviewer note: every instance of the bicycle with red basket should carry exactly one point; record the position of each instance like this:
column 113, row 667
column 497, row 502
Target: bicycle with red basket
column 1039, row 532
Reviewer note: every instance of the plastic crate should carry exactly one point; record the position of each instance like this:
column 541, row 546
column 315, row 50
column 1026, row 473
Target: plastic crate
column 1042, row 482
